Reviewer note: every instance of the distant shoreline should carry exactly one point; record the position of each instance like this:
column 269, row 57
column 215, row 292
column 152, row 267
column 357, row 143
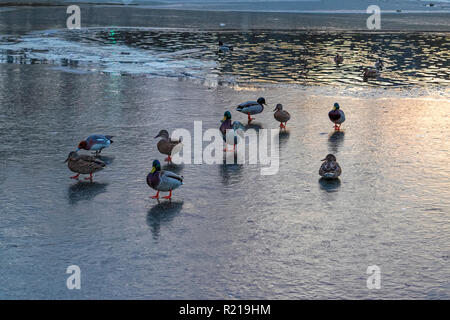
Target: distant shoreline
column 178, row 6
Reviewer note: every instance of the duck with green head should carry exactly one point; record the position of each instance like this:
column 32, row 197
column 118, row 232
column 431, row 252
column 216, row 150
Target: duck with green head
column 162, row 180
column 336, row 116
column 252, row 107
column 232, row 132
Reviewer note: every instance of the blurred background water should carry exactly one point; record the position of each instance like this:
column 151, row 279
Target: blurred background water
column 229, row 231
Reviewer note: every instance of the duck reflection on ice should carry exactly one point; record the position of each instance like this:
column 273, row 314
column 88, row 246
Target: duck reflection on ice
column 231, row 173
column 329, row 185
column 284, row 137
column 335, row 141
column 162, row 213
column 85, row 191
column 255, row 126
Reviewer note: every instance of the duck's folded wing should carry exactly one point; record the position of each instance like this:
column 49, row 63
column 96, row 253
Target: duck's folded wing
column 97, row 138
column 90, row 161
column 332, row 167
column 171, row 175
column 247, row 104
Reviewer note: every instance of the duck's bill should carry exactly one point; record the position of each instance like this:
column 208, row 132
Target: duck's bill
column 153, row 170
column 157, row 136
column 323, row 159
column 66, row 160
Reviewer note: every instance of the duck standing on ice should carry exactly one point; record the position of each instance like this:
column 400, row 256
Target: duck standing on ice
column 252, row 107
column 337, row 116
column 162, row 180
column 232, row 132
column 96, row 142
column 281, row 115
column 330, row 169
column 83, row 164
column 167, row 145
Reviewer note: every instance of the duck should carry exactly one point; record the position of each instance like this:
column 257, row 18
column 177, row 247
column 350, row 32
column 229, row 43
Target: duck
column 224, row 47
column 336, row 116
column 163, row 180
column 231, row 131
column 281, row 115
column 252, row 107
column 83, row 164
column 330, row 169
column 95, row 142
column 370, row 73
column 168, row 146
column 379, row 65
column 338, row 59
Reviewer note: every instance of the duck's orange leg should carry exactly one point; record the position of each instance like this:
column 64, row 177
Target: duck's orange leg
column 75, row 177
column 156, row 196
column 168, row 159
column 250, row 118
column 169, row 196
column 89, row 178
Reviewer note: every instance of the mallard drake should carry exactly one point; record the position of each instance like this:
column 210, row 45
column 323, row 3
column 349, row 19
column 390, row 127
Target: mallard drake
column 167, row 145
column 95, row 142
column 224, row 47
column 252, row 107
column 162, row 180
column 370, row 73
column 232, row 133
column 281, row 115
column 330, row 169
column 83, row 164
column 338, row 59
column 336, row 116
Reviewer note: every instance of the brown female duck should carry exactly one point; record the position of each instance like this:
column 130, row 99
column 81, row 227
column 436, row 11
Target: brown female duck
column 168, row 146
column 330, row 169
column 281, row 115
column 83, row 164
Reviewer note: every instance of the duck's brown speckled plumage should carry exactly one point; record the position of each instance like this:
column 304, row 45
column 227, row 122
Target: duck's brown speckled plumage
column 165, row 146
column 84, row 164
column 282, row 116
column 330, row 169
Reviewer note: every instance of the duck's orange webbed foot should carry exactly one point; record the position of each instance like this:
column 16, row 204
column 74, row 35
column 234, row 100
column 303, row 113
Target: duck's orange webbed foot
column 168, row 159
column 156, row 196
column 169, row 196
column 89, row 178
column 75, row 177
